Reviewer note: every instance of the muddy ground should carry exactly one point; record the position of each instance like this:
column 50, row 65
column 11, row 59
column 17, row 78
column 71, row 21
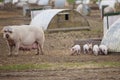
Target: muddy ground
column 76, row 74
column 56, row 50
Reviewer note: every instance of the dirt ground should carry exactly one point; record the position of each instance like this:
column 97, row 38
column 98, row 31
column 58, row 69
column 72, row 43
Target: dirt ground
column 79, row 74
column 56, row 50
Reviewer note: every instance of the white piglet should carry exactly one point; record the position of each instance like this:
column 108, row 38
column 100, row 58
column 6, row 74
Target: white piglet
column 103, row 49
column 76, row 49
column 96, row 50
column 87, row 48
column 24, row 37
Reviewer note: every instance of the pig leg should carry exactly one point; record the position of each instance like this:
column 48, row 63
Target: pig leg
column 10, row 49
column 73, row 53
column 39, row 48
column 78, row 52
column 17, row 48
column 85, row 51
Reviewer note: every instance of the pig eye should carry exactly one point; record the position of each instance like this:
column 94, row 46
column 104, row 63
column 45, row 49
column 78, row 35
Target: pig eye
column 10, row 31
column 5, row 31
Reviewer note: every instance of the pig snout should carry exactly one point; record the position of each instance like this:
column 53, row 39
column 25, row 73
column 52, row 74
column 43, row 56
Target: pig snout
column 7, row 36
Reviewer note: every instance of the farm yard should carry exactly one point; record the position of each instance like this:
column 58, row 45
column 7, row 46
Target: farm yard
column 57, row 63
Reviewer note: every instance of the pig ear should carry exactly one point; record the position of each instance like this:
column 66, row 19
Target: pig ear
column 91, row 43
column 88, row 43
column 72, row 49
column 2, row 31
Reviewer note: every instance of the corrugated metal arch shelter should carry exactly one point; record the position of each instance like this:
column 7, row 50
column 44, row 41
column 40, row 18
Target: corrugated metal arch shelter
column 32, row 1
column 109, row 19
column 83, row 9
column 82, row 1
column 44, row 18
column 60, row 3
column 43, row 2
column 107, row 2
column 112, row 37
column 59, row 19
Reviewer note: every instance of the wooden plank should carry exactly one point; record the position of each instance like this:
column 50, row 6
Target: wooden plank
column 69, row 29
column 63, row 13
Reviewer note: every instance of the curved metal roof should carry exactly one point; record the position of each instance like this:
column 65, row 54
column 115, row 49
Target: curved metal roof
column 82, row 1
column 60, row 3
column 112, row 38
column 32, row 1
column 43, row 19
column 107, row 2
column 43, row 2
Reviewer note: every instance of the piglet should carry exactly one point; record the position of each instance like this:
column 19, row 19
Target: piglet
column 96, row 50
column 87, row 48
column 76, row 49
column 103, row 49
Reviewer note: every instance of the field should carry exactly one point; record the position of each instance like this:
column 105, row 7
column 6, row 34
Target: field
column 57, row 63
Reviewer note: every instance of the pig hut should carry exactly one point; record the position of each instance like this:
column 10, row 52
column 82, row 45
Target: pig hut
column 112, row 32
column 109, row 19
column 60, row 20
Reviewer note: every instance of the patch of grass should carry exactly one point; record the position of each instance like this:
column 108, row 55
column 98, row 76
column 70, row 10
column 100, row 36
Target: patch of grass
column 1, row 0
column 25, row 66
column 71, row 1
column 92, row 64
column 55, row 66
